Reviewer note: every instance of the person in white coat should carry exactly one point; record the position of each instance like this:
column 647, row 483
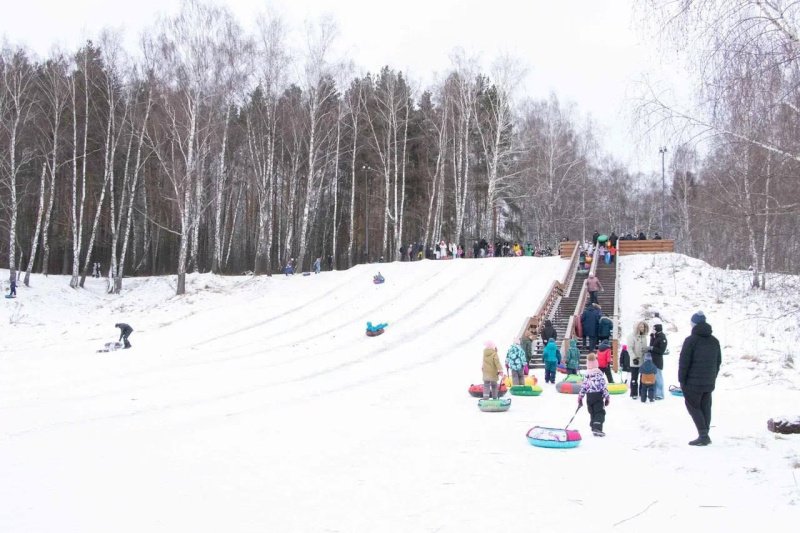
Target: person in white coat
column 638, row 343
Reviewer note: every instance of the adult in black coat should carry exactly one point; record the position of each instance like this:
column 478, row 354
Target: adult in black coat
column 595, row 235
column 698, row 368
column 589, row 323
column 613, row 239
column 548, row 332
column 658, row 344
column 124, row 332
column 642, row 236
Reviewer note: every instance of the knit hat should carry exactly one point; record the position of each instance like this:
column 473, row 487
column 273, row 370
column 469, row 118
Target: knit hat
column 591, row 362
column 624, row 346
column 604, row 345
column 490, row 344
column 698, row 318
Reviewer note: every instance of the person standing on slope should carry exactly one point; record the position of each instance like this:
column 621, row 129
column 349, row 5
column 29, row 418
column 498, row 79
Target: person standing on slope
column 658, row 343
column 637, row 346
column 124, row 332
column 492, row 371
column 698, row 367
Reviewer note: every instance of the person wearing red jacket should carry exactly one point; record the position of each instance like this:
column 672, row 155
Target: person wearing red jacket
column 605, row 360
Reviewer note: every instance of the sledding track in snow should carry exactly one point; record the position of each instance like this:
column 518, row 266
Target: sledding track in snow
column 432, row 311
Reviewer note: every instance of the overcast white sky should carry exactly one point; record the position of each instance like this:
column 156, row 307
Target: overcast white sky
column 586, row 51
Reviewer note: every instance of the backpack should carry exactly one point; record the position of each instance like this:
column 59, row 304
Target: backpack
column 648, row 379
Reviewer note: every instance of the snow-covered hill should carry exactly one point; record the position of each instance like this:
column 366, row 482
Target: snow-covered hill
column 258, row 404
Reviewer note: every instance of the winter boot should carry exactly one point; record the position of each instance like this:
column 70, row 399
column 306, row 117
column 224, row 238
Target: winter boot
column 702, row 440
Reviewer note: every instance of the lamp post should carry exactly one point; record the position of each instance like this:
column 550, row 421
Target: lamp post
column 366, row 210
column 663, row 152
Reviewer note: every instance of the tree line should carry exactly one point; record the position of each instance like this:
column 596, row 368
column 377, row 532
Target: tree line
column 211, row 149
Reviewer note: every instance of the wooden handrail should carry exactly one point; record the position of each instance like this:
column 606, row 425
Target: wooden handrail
column 570, row 333
column 651, row 246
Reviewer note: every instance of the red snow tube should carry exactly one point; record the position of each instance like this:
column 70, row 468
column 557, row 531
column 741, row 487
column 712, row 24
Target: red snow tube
column 374, row 333
column 476, row 391
column 569, row 387
column 576, row 320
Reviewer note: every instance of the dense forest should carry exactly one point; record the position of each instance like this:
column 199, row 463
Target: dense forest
column 210, row 149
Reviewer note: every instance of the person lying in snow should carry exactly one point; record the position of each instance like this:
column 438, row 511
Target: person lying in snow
column 379, row 327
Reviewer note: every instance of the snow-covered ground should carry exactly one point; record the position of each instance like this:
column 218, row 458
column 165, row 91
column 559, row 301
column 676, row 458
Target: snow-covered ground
column 258, row 404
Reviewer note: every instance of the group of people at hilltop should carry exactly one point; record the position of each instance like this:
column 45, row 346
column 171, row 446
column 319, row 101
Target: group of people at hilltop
column 481, row 248
column 643, row 356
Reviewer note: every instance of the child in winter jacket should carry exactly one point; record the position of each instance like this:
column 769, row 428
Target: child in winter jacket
column 597, row 398
column 516, row 363
column 573, row 357
column 647, row 378
column 552, row 356
column 604, row 360
column 492, row 371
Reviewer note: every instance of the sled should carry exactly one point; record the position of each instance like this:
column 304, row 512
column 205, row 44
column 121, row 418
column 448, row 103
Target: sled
column 10, row 297
column 675, row 391
column 526, row 390
column 111, row 347
column 306, row 273
column 576, row 320
column 617, row 388
column 561, row 368
column 374, row 333
column 569, row 387
column 476, row 391
column 494, row 406
column 544, row 437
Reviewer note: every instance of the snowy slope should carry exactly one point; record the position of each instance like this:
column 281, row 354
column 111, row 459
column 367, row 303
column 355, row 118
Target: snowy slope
column 258, row 404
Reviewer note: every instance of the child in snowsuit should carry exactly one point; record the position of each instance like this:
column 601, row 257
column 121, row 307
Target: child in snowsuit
column 573, row 357
column 317, row 265
column 647, row 378
column 552, row 356
column 516, row 363
column 491, row 371
column 604, row 360
column 124, row 332
column 13, row 292
column 597, row 397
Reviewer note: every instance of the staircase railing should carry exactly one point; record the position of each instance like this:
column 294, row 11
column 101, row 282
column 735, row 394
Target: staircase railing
column 550, row 302
column 570, row 333
column 573, row 267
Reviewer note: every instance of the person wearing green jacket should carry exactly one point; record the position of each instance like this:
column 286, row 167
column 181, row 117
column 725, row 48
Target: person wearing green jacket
column 552, row 356
column 492, row 371
column 573, row 357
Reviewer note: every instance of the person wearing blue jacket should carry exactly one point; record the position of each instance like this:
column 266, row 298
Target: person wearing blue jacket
column 516, row 363
column 590, row 320
column 552, row 356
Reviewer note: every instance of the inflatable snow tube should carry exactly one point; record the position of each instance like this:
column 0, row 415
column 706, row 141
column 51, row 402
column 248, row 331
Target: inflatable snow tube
column 675, row 391
column 561, row 369
column 617, row 388
column 573, row 378
column 476, row 391
column 526, row 390
column 494, row 406
column 378, row 281
column 569, row 387
column 374, row 333
column 544, row 437
column 529, row 380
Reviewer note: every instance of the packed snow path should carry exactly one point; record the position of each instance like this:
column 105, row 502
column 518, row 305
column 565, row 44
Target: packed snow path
column 259, row 404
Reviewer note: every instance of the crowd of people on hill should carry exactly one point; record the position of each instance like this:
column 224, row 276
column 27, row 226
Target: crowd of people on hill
column 480, row 248
column 642, row 358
